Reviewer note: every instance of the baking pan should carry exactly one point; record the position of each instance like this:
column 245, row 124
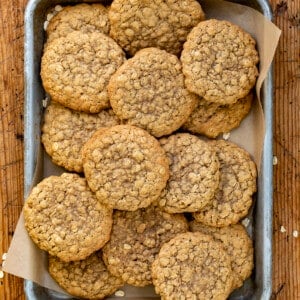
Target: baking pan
column 37, row 163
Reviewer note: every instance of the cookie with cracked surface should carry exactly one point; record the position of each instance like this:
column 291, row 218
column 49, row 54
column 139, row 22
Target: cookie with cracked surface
column 163, row 24
column 76, row 68
column 125, row 166
column 192, row 266
column 136, row 239
column 83, row 17
column 88, row 278
column 65, row 131
column 211, row 119
column 233, row 197
column 236, row 243
column 194, row 173
column 219, row 61
column 148, row 91
column 64, row 218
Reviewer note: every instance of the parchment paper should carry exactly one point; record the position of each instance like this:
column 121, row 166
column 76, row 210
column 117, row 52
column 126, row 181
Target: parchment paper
column 25, row 260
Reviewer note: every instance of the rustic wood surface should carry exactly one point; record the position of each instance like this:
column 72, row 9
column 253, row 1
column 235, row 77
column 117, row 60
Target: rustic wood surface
column 286, row 259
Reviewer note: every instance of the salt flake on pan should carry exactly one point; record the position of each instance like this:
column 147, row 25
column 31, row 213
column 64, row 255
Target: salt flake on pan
column 45, row 102
column 275, row 160
column 246, row 222
column 1, row 274
column 295, row 233
column 226, row 135
column 120, row 293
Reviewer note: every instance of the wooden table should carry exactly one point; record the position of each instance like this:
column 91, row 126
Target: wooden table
column 286, row 259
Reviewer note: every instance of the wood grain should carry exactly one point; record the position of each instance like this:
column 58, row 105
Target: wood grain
column 11, row 132
column 286, row 266
column 286, row 257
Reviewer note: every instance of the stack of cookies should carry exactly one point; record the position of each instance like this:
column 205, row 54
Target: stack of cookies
column 147, row 201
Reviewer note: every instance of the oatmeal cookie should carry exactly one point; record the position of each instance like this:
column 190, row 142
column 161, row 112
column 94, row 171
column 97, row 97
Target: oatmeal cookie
column 65, row 131
column 194, row 173
column 163, row 24
column 237, row 184
column 211, row 119
column 192, row 266
column 76, row 68
column 84, row 17
column 64, row 218
column 88, row 278
column 219, row 61
column 136, row 239
column 148, row 91
column 125, row 166
column 236, row 243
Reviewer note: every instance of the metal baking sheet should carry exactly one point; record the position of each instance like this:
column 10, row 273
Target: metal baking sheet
column 36, row 165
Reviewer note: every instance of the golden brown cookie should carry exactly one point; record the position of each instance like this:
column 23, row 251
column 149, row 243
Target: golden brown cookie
column 194, row 173
column 83, row 17
column 76, row 68
column 236, row 243
column 65, row 131
column 125, row 166
column 219, row 61
column 237, row 185
column 148, row 91
column 86, row 278
column 136, row 239
column 163, row 24
column 192, row 266
column 64, row 218
column 211, row 119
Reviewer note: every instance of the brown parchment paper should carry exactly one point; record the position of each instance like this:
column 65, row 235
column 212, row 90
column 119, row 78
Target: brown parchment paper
column 25, row 260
